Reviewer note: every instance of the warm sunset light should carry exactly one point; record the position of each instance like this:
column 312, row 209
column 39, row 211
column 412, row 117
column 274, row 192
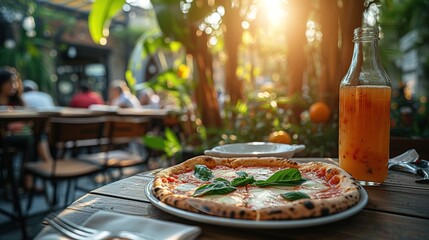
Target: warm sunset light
column 274, row 13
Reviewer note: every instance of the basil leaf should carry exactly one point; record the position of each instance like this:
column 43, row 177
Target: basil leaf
column 290, row 174
column 218, row 187
column 241, row 181
column 262, row 183
column 292, row 196
column 222, row 180
column 241, row 174
column 202, row 172
column 286, row 177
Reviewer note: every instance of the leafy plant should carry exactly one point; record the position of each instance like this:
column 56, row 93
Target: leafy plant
column 169, row 144
column 30, row 52
column 98, row 20
column 253, row 114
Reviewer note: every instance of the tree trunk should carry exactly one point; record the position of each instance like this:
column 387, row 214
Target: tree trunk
column 331, row 75
column 232, row 39
column 295, row 40
column 336, row 60
column 350, row 18
column 205, row 92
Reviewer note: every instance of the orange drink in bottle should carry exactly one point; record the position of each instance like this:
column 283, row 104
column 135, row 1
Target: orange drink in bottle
column 364, row 131
column 364, row 121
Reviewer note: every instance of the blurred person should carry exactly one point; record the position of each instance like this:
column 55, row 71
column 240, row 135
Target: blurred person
column 34, row 98
column 121, row 96
column 10, row 87
column 11, row 95
column 148, row 98
column 85, row 97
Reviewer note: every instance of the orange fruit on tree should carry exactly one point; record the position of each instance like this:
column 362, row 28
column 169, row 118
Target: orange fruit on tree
column 280, row 137
column 320, row 112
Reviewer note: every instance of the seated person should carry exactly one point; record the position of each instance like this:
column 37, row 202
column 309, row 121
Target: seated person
column 85, row 97
column 148, row 98
column 121, row 95
column 34, row 98
column 19, row 133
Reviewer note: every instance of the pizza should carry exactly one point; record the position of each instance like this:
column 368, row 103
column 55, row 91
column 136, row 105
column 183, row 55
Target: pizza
column 266, row 188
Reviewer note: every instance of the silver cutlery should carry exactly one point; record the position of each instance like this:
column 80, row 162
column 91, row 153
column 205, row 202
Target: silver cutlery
column 410, row 162
column 78, row 232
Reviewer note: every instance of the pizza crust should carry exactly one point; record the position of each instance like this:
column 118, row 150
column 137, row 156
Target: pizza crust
column 303, row 208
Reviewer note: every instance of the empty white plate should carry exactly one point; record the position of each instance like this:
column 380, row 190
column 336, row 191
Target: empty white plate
column 255, row 149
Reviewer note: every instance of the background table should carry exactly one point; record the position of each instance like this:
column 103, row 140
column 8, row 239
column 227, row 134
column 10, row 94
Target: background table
column 398, row 209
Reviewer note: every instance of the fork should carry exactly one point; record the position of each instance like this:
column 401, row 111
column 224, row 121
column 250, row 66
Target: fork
column 78, row 232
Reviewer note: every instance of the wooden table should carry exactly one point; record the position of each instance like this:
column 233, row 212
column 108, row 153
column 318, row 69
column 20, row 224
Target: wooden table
column 398, row 209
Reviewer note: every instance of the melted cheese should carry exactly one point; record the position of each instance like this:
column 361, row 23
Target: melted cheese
column 313, row 185
column 227, row 199
column 224, row 173
column 263, row 197
column 186, row 187
column 257, row 173
column 282, row 189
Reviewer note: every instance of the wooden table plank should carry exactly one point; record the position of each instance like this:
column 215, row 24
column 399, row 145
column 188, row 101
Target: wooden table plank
column 131, row 188
column 399, row 200
column 382, row 225
column 396, row 178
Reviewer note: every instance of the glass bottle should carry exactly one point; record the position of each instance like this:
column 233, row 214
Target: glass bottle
column 364, row 123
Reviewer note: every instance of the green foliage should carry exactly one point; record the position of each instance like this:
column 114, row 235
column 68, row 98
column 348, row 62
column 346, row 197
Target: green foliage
column 177, row 87
column 172, row 21
column 169, row 144
column 29, row 56
column 321, row 140
column 409, row 112
column 29, row 59
column 100, row 16
column 252, row 119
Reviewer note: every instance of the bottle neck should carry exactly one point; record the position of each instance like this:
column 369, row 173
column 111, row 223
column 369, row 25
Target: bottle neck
column 366, row 67
column 366, row 55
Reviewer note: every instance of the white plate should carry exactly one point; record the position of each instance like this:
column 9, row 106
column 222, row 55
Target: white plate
column 255, row 149
column 269, row 224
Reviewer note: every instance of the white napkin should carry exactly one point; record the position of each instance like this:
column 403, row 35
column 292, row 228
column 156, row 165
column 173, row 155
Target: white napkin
column 151, row 228
column 155, row 229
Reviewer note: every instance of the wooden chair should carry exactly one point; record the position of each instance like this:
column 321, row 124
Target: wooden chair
column 66, row 133
column 120, row 131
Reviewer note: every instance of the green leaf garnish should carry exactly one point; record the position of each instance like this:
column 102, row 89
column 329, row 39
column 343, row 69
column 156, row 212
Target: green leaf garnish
column 241, row 174
column 220, row 186
column 262, row 183
column 292, row 196
column 285, row 177
column 290, row 174
column 242, row 180
column 222, row 180
column 203, row 172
